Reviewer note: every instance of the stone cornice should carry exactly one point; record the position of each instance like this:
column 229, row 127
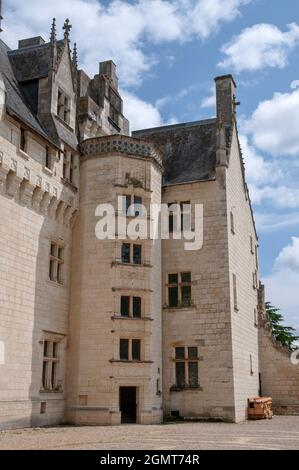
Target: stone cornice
column 120, row 145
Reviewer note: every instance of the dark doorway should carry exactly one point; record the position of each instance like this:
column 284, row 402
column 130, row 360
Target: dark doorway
column 128, row 404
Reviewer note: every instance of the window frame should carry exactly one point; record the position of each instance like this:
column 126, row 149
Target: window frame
column 187, row 360
column 56, row 261
column 179, row 286
column 50, row 381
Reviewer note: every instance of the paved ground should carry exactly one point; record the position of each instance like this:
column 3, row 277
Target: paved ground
column 280, row 433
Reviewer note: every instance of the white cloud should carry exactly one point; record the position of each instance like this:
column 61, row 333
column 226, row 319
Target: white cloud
column 270, row 222
column 140, row 113
column 274, row 124
column 210, row 100
column 262, row 45
column 282, row 285
column 278, row 196
column 120, row 29
column 258, row 170
column 288, row 258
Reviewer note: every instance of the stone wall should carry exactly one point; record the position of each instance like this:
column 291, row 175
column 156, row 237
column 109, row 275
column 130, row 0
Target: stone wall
column 99, row 279
column 35, row 209
column 279, row 377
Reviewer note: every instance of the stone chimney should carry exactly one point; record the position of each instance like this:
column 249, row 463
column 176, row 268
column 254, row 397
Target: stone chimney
column 225, row 99
column 108, row 68
column 36, row 41
column 2, row 95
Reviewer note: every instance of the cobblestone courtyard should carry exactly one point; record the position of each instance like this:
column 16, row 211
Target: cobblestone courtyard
column 280, row 433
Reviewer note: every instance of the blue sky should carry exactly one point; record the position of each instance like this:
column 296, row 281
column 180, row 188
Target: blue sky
column 168, row 53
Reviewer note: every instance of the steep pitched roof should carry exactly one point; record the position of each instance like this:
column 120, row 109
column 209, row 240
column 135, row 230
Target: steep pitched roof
column 15, row 100
column 188, row 150
column 31, row 63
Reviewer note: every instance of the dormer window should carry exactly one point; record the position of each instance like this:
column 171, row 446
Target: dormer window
column 64, row 107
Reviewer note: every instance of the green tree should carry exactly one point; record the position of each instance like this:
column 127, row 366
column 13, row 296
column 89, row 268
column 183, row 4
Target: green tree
column 284, row 334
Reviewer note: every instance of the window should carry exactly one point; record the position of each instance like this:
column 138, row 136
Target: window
column 130, row 350
column 255, row 317
column 185, row 216
column 23, row 140
column 179, row 290
column 124, row 349
column 56, row 263
column 125, row 306
column 136, row 254
column 130, row 307
column 232, row 223
column 235, row 292
column 69, row 166
column 50, row 365
column 126, row 254
column 251, row 245
column 137, row 206
column 254, row 280
column 132, row 208
column 186, row 367
column 251, row 365
column 136, row 349
column 256, row 257
column 137, row 307
column 64, row 107
column 48, row 161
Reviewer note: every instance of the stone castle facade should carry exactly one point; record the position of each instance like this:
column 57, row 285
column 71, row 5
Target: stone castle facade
column 109, row 331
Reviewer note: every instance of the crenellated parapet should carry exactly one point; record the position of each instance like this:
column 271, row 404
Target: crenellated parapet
column 120, row 145
column 35, row 192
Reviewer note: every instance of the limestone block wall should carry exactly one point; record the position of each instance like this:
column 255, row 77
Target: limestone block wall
column 243, row 267
column 99, row 279
column 206, row 324
column 35, row 209
column 279, row 376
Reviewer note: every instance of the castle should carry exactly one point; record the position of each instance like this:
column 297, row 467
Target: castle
column 110, row 331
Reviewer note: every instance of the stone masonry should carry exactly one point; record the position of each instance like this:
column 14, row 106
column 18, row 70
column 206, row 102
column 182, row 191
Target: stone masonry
column 88, row 336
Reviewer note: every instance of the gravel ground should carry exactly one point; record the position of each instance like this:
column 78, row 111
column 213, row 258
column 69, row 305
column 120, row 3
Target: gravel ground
column 280, row 433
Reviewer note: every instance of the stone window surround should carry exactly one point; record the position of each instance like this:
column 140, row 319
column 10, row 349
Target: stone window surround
column 56, row 261
column 131, row 306
column 179, row 286
column 58, row 339
column 130, row 341
column 186, row 360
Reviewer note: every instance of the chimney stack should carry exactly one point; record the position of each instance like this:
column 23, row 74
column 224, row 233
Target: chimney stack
column 225, row 99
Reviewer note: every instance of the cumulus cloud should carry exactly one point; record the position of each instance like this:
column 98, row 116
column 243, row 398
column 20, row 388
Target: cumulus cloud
column 210, row 100
column 120, row 29
column 262, row 45
column 141, row 114
column 282, row 284
column 288, row 258
column 274, row 124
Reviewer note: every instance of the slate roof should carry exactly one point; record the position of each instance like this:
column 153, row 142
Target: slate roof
column 20, row 67
column 188, row 150
column 15, row 101
column 31, row 63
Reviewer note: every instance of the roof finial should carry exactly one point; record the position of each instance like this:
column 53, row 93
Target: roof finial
column 67, row 28
column 75, row 56
column 53, row 31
